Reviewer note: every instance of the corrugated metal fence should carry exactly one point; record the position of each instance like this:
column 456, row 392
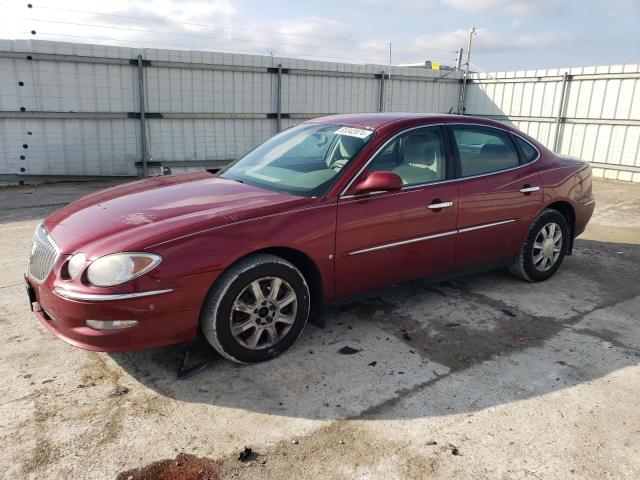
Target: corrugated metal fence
column 591, row 113
column 74, row 109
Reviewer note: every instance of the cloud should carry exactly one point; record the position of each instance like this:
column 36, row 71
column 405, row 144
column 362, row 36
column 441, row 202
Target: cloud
column 511, row 7
column 214, row 25
column 515, row 7
column 490, row 42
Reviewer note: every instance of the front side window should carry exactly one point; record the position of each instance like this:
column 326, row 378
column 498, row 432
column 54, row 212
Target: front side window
column 304, row 160
column 417, row 157
column 483, row 150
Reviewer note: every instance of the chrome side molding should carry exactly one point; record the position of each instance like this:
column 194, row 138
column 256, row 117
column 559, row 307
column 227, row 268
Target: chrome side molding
column 402, row 242
column 428, row 237
column 486, row 225
column 104, row 297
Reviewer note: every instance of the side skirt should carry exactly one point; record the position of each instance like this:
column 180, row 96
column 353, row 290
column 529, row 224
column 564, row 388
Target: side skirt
column 429, row 280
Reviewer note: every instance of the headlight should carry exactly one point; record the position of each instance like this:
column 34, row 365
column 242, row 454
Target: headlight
column 76, row 264
column 120, row 267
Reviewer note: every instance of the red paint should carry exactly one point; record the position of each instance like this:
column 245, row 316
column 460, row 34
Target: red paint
column 379, row 182
column 200, row 224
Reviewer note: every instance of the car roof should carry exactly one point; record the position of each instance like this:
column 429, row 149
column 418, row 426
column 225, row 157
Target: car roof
column 379, row 120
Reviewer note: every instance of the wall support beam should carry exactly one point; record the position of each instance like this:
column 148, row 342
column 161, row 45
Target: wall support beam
column 381, row 93
column 143, row 129
column 279, row 101
column 560, row 115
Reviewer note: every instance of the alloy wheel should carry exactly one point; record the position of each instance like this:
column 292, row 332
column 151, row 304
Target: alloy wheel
column 547, row 247
column 263, row 313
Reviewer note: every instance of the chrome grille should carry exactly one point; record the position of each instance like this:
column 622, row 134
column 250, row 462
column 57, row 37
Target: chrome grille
column 44, row 254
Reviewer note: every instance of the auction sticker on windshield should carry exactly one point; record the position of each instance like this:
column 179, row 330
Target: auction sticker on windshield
column 354, row 132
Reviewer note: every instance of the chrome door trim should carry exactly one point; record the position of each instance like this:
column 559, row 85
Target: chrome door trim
column 104, row 297
column 529, row 189
column 485, row 225
column 400, row 243
column 403, row 242
column 342, row 195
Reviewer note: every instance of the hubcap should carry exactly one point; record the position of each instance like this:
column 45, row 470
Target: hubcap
column 263, row 313
column 547, row 247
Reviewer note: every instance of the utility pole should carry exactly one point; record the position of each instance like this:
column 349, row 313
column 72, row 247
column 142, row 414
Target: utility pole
column 461, row 107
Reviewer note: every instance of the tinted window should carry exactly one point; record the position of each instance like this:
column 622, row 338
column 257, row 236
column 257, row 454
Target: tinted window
column 529, row 153
column 416, row 157
column 484, row 150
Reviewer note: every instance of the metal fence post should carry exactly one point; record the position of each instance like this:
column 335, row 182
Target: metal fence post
column 560, row 116
column 143, row 131
column 279, row 100
column 381, row 99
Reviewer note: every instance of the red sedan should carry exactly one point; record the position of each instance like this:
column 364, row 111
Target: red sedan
column 325, row 211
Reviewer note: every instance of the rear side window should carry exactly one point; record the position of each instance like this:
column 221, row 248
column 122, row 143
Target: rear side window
column 529, row 153
column 483, row 150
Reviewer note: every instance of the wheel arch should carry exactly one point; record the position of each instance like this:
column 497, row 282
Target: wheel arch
column 569, row 213
column 309, row 270
column 311, row 273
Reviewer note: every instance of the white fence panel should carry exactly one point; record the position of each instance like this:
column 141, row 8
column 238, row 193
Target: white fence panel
column 77, row 107
column 599, row 114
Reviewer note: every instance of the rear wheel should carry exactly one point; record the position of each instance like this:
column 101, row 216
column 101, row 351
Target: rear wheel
column 256, row 309
column 544, row 248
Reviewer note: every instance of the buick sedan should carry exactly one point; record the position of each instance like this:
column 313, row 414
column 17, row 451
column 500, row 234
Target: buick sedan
column 327, row 211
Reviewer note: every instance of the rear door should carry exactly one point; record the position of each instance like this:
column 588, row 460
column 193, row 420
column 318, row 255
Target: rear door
column 385, row 238
column 499, row 194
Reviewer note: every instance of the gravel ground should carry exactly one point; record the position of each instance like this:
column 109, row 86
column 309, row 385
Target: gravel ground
column 482, row 377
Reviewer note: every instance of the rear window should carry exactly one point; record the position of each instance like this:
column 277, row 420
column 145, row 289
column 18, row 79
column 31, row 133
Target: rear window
column 529, row 153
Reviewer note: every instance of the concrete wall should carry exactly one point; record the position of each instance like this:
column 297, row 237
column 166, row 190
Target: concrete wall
column 599, row 112
column 214, row 107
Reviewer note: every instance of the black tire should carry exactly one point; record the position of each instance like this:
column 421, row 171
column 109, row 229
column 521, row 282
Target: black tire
column 524, row 266
column 216, row 315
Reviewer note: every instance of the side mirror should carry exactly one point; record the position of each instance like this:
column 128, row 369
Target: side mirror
column 381, row 181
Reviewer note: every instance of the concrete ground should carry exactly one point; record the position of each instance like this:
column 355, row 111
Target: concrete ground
column 483, row 377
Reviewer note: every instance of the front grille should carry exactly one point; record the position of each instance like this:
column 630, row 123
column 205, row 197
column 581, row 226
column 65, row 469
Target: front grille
column 44, row 254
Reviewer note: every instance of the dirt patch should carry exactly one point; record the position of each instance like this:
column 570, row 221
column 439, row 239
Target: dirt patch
column 43, row 454
column 183, row 467
column 337, row 451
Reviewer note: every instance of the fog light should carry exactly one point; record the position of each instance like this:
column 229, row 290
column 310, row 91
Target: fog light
column 111, row 324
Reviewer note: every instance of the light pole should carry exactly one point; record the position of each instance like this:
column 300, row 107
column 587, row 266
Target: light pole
column 461, row 107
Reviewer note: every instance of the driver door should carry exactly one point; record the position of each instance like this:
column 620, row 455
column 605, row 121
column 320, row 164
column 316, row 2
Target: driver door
column 384, row 238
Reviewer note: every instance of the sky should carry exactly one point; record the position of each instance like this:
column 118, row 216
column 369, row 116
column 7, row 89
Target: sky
column 511, row 34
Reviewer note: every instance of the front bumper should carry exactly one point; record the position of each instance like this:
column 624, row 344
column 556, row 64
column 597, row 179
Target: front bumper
column 168, row 316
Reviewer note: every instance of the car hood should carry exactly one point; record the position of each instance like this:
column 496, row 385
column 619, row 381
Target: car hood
column 139, row 214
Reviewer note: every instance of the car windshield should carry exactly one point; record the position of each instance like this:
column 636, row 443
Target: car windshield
column 304, row 160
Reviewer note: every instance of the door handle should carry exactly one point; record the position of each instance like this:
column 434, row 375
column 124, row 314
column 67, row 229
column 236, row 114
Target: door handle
column 526, row 189
column 439, row 205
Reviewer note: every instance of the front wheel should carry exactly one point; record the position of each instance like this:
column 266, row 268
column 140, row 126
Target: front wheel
column 256, row 309
column 544, row 248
